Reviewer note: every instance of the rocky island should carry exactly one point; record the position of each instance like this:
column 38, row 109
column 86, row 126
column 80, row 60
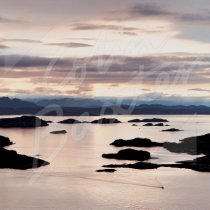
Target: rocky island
column 129, row 154
column 137, row 142
column 106, row 121
column 5, row 141
column 153, row 120
column 59, row 132
column 148, row 124
column 70, row 121
column 201, row 164
column 12, row 160
column 172, row 130
column 108, row 170
column 197, row 145
column 22, row 122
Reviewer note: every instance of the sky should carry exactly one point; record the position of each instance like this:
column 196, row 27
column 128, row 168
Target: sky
column 146, row 49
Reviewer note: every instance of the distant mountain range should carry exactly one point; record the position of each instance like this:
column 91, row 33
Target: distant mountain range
column 6, row 102
column 76, row 107
column 70, row 102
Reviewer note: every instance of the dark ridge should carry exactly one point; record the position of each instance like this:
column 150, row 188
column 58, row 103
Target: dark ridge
column 15, row 103
column 22, row 122
column 137, row 142
column 70, row 102
column 109, row 110
column 106, row 121
column 129, row 154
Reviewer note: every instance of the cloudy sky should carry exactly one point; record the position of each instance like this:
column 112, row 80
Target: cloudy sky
column 121, row 48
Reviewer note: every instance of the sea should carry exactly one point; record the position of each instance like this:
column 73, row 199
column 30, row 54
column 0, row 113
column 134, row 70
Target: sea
column 71, row 182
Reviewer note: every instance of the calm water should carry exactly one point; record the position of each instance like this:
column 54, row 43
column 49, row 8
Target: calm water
column 71, row 183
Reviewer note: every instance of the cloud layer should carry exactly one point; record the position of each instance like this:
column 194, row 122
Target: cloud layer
column 70, row 45
column 191, row 69
column 154, row 10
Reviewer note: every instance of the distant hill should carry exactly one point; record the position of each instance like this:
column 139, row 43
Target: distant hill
column 171, row 110
column 6, row 102
column 76, row 107
column 71, row 102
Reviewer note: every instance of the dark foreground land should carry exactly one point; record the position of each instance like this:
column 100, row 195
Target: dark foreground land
column 12, row 160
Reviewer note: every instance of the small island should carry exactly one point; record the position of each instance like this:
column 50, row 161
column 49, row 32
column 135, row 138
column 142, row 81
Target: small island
column 148, row 124
column 129, row 154
column 135, row 121
column 138, row 165
column 201, row 164
column 153, row 120
column 59, row 132
column 137, row 142
column 198, row 145
column 12, row 160
column 172, row 130
column 106, row 121
column 159, row 124
column 108, row 170
column 22, row 122
column 70, row 121
column 134, row 125
column 5, row 141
